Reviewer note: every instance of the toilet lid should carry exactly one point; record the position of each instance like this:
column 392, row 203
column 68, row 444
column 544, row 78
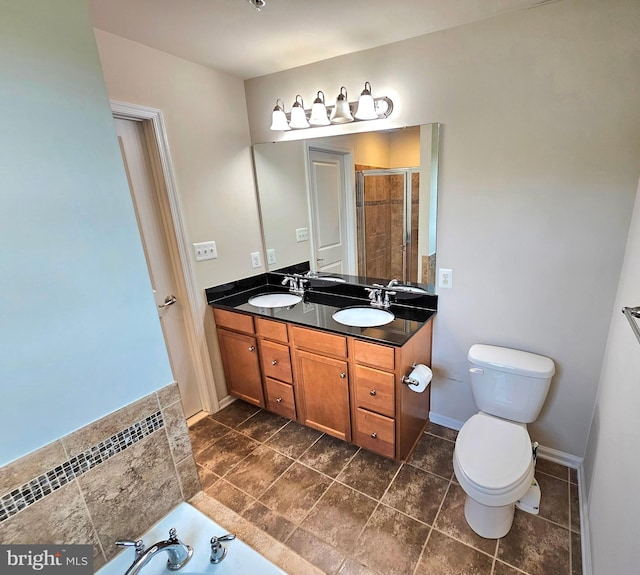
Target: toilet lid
column 493, row 453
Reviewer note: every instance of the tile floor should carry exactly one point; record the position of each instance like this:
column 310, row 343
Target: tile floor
column 351, row 512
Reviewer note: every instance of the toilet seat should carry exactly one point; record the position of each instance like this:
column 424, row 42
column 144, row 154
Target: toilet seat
column 493, row 459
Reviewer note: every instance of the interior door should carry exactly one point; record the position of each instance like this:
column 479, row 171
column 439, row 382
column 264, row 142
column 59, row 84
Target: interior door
column 164, row 280
column 330, row 214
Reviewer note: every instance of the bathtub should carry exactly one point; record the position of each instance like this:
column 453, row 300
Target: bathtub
column 195, row 529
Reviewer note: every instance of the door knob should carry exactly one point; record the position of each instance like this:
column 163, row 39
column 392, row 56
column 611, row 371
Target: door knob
column 374, row 435
column 343, row 375
column 278, row 400
column 169, row 300
column 372, row 392
column 274, row 362
column 252, row 348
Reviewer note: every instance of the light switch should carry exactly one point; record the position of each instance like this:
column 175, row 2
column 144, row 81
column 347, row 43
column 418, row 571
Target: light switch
column 205, row 251
column 302, row 235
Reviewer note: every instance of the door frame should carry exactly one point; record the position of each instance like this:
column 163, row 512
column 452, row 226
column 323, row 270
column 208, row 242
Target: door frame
column 348, row 199
column 193, row 303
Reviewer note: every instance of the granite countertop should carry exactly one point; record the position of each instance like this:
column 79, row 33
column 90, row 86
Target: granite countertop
column 319, row 304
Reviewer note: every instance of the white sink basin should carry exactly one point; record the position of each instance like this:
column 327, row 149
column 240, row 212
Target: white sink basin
column 275, row 300
column 363, row 316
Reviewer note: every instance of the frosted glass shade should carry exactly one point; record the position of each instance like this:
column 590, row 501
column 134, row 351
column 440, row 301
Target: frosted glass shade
column 341, row 113
column 279, row 118
column 319, row 116
column 298, row 115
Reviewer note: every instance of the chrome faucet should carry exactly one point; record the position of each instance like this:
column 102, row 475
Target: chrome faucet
column 393, row 282
column 296, row 283
column 377, row 298
column 179, row 553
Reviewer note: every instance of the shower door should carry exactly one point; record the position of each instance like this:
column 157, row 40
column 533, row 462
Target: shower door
column 387, row 219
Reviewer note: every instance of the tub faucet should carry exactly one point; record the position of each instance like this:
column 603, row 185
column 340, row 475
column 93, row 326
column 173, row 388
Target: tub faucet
column 179, row 553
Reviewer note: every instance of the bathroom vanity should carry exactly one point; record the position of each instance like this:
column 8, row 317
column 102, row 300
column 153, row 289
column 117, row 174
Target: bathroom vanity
column 343, row 380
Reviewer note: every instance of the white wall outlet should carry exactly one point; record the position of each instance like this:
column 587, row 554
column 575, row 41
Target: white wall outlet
column 271, row 256
column 205, row 251
column 256, row 262
column 445, row 278
column 302, row 235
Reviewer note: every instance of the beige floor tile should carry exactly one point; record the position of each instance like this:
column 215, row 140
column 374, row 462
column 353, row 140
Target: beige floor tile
column 369, row 473
column 445, row 556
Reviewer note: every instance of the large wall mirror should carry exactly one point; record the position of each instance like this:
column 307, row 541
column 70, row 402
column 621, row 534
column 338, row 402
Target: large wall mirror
column 359, row 204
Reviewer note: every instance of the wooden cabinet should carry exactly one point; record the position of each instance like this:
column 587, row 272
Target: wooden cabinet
column 324, row 385
column 322, row 378
column 344, row 386
column 241, row 366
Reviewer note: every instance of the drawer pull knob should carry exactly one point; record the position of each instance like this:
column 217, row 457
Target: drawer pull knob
column 278, row 400
column 343, row 375
column 374, row 435
column 372, row 392
column 274, row 362
column 252, row 348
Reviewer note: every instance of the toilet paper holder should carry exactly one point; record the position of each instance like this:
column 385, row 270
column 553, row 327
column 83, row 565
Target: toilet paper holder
column 409, row 380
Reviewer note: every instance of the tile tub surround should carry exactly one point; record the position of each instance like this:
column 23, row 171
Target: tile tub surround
column 111, row 479
column 348, row 511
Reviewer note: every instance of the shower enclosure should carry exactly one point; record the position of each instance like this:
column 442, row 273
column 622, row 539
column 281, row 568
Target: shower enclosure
column 387, row 213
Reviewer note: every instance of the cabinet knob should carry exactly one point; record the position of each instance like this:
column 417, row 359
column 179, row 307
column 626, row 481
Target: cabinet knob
column 278, row 400
column 372, row 392
column 374, row 435
column 343, row 375
column 252, row 348
column 274, row 362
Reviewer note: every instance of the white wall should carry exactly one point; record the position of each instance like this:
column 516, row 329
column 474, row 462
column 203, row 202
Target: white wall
column 79, row 333
column 539, row 162
column 206, row 122
column 611, row 466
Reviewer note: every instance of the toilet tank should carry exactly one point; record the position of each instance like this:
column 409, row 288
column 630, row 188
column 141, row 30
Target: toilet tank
column 509, row 383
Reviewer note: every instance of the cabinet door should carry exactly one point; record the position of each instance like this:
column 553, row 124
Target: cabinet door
column 325, row 390
column 241, row 366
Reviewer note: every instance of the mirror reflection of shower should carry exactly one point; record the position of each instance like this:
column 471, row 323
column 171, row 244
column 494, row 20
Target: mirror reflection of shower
column 387, row 219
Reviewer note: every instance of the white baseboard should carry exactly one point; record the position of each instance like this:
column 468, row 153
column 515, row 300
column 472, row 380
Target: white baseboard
column 560, row 457
column 228, row 400
column 445, row 421
column 585, row 537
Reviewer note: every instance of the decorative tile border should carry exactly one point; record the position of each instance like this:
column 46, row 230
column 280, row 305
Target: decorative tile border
column 48, row 482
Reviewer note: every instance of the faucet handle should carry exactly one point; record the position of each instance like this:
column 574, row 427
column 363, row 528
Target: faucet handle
column 139, row 545
column 218, row 552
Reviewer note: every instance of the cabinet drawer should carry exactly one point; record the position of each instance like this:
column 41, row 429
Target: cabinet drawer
column 280, row 398
column 375, row 432
column 373, row 354
column 274, row 330
column 319, row 342
column 276, row 361
column 375, row 390
column 232, row 320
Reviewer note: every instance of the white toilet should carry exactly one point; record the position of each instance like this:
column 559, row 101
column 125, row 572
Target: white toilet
column 493, row 457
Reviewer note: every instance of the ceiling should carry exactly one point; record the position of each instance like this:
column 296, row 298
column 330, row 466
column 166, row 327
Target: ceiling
column 232, row 36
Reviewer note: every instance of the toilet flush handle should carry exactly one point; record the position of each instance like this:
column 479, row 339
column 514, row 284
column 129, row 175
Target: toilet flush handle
column 477, row 370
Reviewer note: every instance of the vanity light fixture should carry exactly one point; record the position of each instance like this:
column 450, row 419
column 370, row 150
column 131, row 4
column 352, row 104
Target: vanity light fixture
column 342, row 112
column 367, row 108
column 258, row 4
column 279, row 118
column 298, row 115
column 319, row 115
